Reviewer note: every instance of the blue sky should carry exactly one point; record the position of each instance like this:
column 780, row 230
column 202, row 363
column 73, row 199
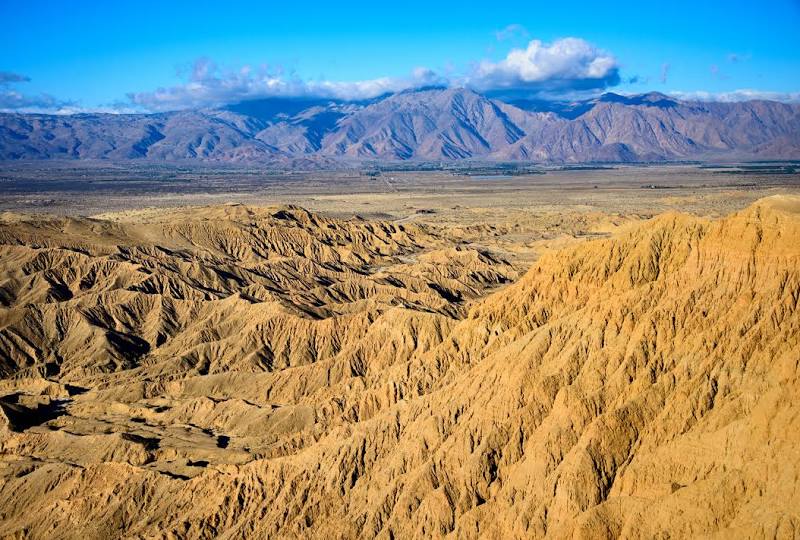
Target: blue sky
column 85, row 55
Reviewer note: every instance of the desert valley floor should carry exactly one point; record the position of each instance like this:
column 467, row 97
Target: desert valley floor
column 605, row 352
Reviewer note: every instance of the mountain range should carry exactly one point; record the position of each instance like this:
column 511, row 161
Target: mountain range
column 426, row 124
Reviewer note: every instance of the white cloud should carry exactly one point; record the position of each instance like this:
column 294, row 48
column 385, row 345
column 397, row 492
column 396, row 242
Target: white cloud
column 568, row 68
column 12, row 100
column 737, row 95
column 568, row 64
column 210, row 86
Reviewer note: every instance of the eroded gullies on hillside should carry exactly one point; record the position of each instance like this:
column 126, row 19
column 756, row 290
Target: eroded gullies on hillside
column 130, row 309
column 648, row 374
column 127, row 303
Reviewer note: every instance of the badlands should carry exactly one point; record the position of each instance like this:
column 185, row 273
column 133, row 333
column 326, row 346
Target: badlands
column 452, row 365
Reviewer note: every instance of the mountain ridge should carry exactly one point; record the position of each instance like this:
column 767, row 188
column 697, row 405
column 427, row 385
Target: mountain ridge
column 432, row 123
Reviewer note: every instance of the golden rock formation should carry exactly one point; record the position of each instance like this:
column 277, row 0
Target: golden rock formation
column 235, row 372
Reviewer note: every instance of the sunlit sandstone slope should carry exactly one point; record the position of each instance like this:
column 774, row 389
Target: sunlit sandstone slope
column 233, row 372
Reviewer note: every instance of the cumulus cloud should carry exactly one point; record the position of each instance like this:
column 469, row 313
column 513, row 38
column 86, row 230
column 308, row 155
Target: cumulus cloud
column 738, row 95
column 567, row 64
column 12, row 100
column 209, row 85
column 568, row 68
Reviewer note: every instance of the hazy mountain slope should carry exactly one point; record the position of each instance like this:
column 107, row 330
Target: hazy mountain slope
column 304, row 132
column 655, row 127
column 168, row 136
column 427, row 124
column 638, row 386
